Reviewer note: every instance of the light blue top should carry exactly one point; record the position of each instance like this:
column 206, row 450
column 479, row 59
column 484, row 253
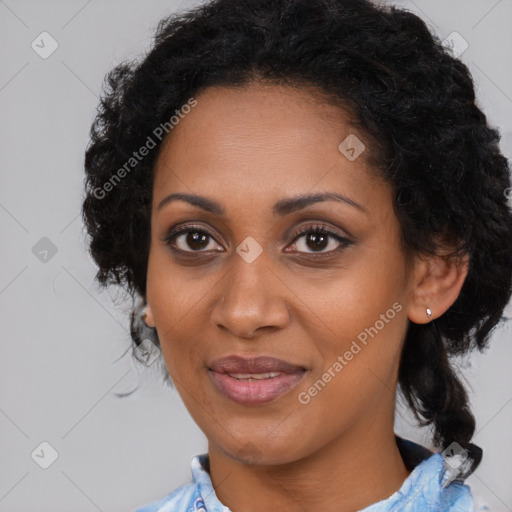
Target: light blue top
column 421, row 491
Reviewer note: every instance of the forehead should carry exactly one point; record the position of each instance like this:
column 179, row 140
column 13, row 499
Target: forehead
column 261, row 139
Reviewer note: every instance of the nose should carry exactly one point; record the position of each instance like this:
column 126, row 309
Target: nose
column 252, row 298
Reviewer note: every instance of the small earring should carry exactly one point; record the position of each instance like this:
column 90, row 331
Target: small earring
column 429, row 313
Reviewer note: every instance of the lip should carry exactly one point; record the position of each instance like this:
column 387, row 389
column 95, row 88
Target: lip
column 254, row 392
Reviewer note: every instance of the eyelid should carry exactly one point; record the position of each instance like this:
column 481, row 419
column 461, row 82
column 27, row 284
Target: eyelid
column 318, row 226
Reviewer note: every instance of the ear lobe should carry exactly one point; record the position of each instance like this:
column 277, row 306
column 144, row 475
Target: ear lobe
column 147, row 316
column 438, row 282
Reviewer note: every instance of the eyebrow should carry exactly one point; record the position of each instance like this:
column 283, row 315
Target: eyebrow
column 281, row 208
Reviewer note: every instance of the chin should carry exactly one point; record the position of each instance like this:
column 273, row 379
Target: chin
column 262, row 452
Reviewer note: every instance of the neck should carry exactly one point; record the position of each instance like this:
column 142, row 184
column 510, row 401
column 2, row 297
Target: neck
column 350, row 473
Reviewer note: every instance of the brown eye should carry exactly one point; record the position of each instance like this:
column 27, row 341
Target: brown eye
column 318, row 238
column 195, row 240
column 190, row 239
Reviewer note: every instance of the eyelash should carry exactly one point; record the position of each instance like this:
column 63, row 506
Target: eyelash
column 344, row 242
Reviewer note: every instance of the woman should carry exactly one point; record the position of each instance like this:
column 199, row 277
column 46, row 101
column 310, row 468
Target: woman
column 313, row 214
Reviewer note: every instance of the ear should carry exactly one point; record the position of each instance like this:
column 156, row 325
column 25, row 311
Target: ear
column 437, row 283
column 147, row 316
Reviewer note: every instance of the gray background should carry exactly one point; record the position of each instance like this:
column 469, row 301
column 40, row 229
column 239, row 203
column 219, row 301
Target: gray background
column 63, row 338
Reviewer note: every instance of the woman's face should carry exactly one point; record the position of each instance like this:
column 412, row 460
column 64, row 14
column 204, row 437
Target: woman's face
column 239, row 281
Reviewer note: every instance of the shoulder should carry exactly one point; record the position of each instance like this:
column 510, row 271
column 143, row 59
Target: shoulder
column 457, row 497
column 180, row 500
column 423, row 489
column 197, row 495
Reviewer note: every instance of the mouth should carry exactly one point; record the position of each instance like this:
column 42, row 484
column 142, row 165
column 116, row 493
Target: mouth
column 254, row 381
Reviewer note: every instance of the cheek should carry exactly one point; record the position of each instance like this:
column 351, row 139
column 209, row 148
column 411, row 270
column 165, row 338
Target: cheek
column 366, row 294
column 363, row 322
column 357, row 367
column 173, row 309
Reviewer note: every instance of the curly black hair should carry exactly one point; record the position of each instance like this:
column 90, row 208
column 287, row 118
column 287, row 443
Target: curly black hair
column 404, row 89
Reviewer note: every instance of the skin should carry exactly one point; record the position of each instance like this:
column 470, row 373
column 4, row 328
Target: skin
column 248, row 148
